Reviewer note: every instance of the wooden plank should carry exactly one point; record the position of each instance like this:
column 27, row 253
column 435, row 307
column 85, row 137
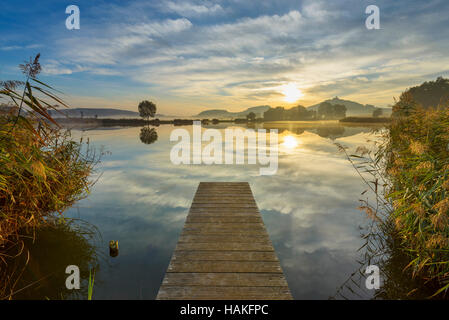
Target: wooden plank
column 226, row 211
column 222, row 193
column 219, row 232
column 201, row 218
column 229, row 227
column 224, row 256
column 228, row 246
column 224, row 251
column 224, row 202
column 221, row 196
column 228, row 205
column 220, row 266
column 223, row 238
column 225, row 279
column 223, row 293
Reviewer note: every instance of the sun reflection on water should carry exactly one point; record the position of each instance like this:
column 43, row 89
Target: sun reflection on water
column 290, row 142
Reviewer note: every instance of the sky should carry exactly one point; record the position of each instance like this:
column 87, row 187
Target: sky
column 189, row 56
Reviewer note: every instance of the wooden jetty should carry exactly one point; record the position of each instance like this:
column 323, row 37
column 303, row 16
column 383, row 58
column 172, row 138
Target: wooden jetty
column 224, row 251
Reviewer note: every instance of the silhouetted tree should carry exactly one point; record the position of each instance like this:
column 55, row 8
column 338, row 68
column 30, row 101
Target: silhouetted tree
column 275, row 114
column 329, row 111
column 377, row 113
column 339, row 111
column 405, row 106
column 147, row 109
column 430, row 94
column 251, row 116
column 325, row 110
column 296, row 113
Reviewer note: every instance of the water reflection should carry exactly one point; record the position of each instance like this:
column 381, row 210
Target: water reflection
column 329, row 129
column 148, row 135
column 382, row 248
column 309, row 207
column 290, row 142
column 39, row 271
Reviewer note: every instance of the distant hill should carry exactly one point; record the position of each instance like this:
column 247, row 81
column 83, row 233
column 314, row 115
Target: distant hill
column 89, row 113
column 92, row 112
column 353, row 108
column 99, row 112
column 224, row 114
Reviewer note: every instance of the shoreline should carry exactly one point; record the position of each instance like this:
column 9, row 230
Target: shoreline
column 108, row 122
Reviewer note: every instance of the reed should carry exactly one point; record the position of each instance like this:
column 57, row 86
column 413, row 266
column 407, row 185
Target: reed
column 90, row 287
column 43, row 170
column 409, row 176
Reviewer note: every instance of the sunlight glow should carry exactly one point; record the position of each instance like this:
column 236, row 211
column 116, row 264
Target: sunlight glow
column 291, row 93
column 290, row 142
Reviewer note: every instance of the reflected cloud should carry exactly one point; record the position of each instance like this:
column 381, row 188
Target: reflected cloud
column 309, row 206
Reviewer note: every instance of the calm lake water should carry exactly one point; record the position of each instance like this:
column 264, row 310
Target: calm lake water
column 142, row 200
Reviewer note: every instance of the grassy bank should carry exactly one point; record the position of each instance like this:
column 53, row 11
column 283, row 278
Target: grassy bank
column 417, row 164
column 43, row 171
column 409, row 174
column 40, row 175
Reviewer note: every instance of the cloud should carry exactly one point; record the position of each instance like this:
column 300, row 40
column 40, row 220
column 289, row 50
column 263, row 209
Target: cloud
column 55, row 70
column 229, row 54
column 17, row 47
column 54, row 67
column 318, row 10
column 161, row 29
column 8, row 48
column 188, row 9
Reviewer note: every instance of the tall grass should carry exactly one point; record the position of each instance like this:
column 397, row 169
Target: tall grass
column 409, row 176
column 42, row 170
column 417, row 162
column 90, row 287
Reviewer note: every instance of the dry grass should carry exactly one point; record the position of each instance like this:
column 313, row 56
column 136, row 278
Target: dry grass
column 42, row 170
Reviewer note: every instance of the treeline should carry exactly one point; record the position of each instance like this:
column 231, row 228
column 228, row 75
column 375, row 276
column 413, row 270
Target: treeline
column 295, row 113
column 326, row 111
column 430, row 94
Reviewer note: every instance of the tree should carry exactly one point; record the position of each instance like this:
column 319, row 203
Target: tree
column 377, row 113
column 405, row 106
column 275, row 114
column 147, row 109
column 251, row 116
column 339, row 111
column 430, row 94
column 326, row 110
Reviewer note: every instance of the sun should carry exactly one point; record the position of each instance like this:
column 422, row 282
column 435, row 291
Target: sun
column 291, row 93
column 290, row 142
